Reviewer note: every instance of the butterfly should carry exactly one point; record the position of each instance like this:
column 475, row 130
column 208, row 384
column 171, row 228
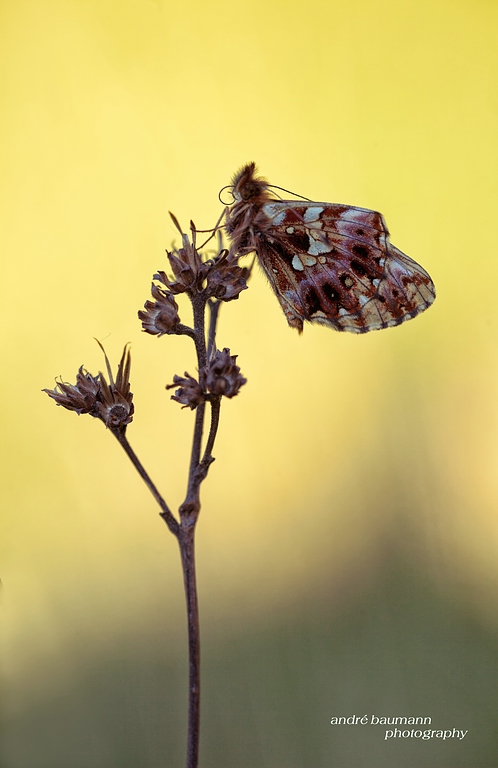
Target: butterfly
column 327, row 263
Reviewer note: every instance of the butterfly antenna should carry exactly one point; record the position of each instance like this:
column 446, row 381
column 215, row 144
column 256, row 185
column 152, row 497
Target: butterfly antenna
column 274, row 186
column 229, row 186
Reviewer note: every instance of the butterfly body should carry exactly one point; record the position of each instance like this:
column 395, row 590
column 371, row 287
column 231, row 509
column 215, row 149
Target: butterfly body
column 327, row 263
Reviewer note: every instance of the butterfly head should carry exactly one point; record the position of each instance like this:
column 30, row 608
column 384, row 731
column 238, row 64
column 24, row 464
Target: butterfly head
column 247, row 187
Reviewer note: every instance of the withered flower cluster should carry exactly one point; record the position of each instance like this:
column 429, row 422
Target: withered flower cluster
column 110, row 402
column 218, row 278
column 221, row 376
column 160, row 316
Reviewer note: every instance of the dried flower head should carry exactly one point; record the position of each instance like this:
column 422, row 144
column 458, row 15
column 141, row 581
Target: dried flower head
column 219, row 278
column 189, row 392
column 222, row 375
column 116, row 407
column 81, row 397
column 186, row 264
column 225, row 279
column 160, row 316
column 112, row 403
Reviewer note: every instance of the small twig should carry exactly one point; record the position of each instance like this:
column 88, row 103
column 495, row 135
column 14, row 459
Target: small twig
column 215, row 418
column 184, row 330
column 199, row 308
column 191, row 504
column 166, row 513
column 214, row 308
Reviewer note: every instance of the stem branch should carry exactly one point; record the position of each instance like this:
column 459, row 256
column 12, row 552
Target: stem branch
column 214, row 308
column 166, row 513
column 215, row 419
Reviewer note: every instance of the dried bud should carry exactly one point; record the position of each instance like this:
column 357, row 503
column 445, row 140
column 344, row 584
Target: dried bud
column 116, row 407
column 160, row 316
column 81, row 397
column 189, row 392
column 225, row 278
column 222, row 375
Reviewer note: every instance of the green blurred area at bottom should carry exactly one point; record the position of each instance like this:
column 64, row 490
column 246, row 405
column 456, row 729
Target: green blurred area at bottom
column 397, row 649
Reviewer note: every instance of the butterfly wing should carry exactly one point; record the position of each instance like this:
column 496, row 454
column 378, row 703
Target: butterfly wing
column 334, row 265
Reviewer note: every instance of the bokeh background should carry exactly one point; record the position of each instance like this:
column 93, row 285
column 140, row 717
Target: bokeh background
column 348, row 541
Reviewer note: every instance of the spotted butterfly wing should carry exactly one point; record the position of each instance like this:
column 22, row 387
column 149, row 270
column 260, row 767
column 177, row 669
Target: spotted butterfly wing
column 327, row 263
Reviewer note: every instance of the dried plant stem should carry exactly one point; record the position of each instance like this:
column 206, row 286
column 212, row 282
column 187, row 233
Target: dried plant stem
column 187, row 552
column 214, row 308
column 215, row 418
column 189, row 512
column 199, row 307
column 166, row 513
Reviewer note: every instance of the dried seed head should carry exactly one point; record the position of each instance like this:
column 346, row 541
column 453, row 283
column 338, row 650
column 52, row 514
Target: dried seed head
column 160, row 316
column 81, row 397
column 116, row 407
column 218, row 278
column 112, row 403
column 189, row 392
column 225, row 279
column 222, row 376
column 186, row 265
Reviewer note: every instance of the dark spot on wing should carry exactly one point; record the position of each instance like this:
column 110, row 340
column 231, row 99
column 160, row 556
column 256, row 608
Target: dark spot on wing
column 329, row 292
column 292, row 216
column 313, row 303
column 300, row 241
column 357, row 267
column 284, row 253
column 361, row 251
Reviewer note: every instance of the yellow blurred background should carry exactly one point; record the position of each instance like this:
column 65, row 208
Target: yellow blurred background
column 348, row 542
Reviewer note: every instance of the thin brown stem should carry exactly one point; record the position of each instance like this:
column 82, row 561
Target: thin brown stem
column 187, row 552
column 191, row 503
column 199, row 308
column 189, row 513
column 214, row 308
column 166, row 513
column 215, row 419
column 184, row 330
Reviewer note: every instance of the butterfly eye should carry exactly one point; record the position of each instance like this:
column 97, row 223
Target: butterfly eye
column 249, row 190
